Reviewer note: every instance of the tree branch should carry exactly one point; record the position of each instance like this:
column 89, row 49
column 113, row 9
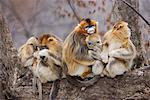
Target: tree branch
column 73, row 9
column 129, row 5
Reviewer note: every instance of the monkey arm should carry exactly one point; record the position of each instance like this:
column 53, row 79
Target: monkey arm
column 83, row 59
column 56, row 59
column 121, row 53
column 85, row 62
column 104, row 54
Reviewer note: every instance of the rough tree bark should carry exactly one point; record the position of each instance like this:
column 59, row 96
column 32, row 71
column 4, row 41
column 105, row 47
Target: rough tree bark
column 124, row 12
column 8, row 62
column 133, row 85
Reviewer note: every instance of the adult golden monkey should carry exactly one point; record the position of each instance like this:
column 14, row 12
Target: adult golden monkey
column 118, row 50
column 75, row 54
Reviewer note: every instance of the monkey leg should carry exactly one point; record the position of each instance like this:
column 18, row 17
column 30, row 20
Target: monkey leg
column 39, row 89
column 97, row 68
column 115, row 67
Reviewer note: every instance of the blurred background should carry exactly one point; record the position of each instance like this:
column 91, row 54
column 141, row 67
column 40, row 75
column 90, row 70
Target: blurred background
column 26, row 18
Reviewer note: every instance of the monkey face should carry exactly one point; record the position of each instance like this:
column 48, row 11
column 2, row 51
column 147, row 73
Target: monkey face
column 93, row 41
column 121, row 29
column 88, row 26
column 43, row 56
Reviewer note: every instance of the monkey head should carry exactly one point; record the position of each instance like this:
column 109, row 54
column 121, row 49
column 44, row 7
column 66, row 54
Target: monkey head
column 93, row 41
column 121, row 30
column 51, row 41
column 87, row 26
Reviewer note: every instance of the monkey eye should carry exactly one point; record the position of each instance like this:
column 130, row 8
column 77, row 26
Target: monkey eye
column 115, row 27
column 36, row 38
column 86, row 28
column 43, row 47
column 50, row 39
column 98, row 42
column 31, row 44
column 120, row 26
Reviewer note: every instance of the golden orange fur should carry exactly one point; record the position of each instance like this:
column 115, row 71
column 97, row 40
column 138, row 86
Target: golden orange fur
column 48, row 64
column 52, row 42
column 75, row 49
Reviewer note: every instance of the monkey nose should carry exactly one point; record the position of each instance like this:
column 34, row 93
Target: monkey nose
column 90, row 43
column 42, row 57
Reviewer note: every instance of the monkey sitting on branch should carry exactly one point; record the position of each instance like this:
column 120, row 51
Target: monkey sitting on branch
column 118, row 50
column 47, row 66
column 76, row 54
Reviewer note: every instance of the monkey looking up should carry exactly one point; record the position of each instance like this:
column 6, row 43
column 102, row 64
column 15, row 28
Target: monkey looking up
column 118, row 50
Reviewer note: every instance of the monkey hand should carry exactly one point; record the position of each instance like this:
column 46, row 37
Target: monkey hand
column 104, row 57
column 95, row 54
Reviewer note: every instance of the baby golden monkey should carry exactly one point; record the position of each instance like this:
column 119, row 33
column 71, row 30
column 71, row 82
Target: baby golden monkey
column 94, row 45
column 118, row 50
column 26, row 50
column 75, row 52
column 47, row 65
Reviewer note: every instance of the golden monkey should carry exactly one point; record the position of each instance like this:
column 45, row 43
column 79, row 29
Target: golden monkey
column 94, row 45
column 47, row 65
column 75, row 52
column 118, row 50
column 26, row 50
column 52, row 42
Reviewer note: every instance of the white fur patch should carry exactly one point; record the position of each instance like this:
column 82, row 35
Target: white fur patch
column 43, row 52
column 45, row 74
column 80, row 71
column 97, row 68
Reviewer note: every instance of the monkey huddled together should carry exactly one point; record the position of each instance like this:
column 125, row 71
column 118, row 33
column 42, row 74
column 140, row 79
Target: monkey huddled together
column 81, row 54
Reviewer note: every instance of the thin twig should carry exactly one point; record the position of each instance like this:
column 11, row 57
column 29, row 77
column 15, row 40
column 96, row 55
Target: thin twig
column 73, row 9
column 136, row 12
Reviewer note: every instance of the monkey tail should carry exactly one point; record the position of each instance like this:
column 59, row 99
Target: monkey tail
column 54, row 90
column 82, row 83
column 75, row 81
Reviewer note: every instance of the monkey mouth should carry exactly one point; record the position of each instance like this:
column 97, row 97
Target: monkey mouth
column 91, row 49
column 44, row 63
